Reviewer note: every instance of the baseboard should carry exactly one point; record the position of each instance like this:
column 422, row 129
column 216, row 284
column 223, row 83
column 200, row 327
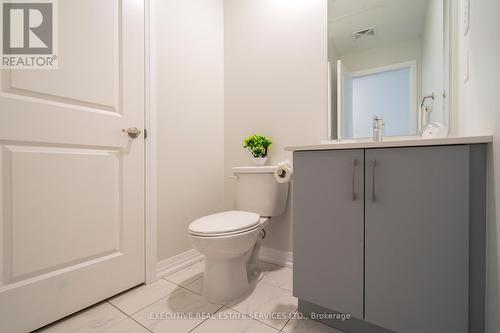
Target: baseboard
column 282, row 258
column 178, row 262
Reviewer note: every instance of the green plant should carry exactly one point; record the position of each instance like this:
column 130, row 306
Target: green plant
column 258, row 145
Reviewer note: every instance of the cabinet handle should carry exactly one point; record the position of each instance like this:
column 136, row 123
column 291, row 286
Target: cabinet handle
column 354, row 164
column 374, row 196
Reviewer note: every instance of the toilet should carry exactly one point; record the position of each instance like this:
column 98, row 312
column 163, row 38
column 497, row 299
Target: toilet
column 231, row 240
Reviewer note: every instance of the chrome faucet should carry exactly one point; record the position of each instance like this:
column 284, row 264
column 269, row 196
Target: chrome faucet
column 425, row 111
column 378, row 128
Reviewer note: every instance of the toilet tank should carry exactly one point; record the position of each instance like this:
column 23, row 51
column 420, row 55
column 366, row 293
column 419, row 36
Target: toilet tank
column 257, row 191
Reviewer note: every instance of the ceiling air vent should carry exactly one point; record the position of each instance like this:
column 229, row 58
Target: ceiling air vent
column 363, row 33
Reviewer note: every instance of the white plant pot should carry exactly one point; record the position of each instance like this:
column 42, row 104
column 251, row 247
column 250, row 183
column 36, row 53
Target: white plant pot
column 259, row 161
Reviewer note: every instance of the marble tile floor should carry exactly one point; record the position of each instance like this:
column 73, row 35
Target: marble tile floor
column 175, row 304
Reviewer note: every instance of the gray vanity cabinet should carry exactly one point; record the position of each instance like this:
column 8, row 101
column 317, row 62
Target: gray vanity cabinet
column 328, row 239
column 405, row 253
column 416, row 238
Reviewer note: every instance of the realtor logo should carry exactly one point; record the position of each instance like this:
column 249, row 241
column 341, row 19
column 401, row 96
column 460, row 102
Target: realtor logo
column 29, row 34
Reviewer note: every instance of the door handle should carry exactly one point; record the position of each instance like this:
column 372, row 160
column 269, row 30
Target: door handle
column 374, row 196
column 354, row 164
column 132, row 132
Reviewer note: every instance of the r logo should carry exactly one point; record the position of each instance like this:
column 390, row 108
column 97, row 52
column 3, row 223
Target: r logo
column 27, row 28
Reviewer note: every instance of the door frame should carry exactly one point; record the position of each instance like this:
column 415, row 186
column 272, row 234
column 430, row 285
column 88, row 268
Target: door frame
column 414, row 98
column 414, row 91
column 150, row 204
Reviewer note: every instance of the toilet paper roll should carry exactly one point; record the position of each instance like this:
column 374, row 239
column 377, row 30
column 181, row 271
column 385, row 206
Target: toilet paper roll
column 283, row 173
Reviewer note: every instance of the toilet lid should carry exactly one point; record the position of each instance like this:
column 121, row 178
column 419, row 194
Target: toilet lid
column 225, row 222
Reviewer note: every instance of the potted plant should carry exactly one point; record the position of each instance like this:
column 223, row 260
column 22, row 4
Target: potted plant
column 258, row 146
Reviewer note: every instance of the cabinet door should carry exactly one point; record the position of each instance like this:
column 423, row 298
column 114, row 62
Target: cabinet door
column 416, row 239
column 328, row 229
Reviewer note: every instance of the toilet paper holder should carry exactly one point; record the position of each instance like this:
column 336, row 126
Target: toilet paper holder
column 284, row 172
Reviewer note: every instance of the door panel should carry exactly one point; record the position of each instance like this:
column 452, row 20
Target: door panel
column 90, row 59
column 416, row 238
column 43, row 184
column 72, row 184
column 328, row 229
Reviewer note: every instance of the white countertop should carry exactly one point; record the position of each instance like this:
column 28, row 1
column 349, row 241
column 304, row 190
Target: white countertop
column 393, row 142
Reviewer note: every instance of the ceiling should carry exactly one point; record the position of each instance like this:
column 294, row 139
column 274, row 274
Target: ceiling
column 394, row 21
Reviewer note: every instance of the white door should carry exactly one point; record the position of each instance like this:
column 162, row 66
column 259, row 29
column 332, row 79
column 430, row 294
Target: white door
column 344, row 101
column 72, row 183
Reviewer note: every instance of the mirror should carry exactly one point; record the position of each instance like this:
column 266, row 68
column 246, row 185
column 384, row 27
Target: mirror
column 387, row 58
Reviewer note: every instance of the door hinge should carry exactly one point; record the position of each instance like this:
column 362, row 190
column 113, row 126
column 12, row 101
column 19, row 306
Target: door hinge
column 145, row 134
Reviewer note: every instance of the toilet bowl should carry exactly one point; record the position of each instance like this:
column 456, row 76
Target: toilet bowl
column 231, row 240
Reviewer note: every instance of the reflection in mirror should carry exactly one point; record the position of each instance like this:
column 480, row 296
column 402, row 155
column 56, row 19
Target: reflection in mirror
column 384, row 57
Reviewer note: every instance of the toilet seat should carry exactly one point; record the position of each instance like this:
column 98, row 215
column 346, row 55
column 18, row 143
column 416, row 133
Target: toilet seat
column 224, row 224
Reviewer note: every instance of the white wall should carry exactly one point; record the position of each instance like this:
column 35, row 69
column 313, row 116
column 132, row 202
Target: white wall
column 383, row 56
column 188, row 80
column 479, row 113
column 432, row 57
column 275, row 83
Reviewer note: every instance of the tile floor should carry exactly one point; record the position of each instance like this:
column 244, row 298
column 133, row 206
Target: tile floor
column 149, row 308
